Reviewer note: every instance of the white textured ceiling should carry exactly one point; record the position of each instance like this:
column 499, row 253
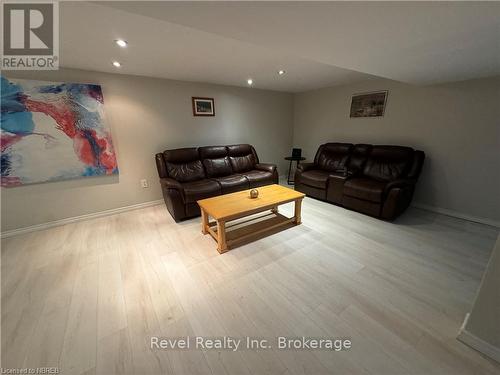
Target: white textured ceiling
column 318, row 43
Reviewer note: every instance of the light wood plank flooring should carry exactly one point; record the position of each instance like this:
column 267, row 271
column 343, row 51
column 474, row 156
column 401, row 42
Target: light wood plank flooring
column 87, row 297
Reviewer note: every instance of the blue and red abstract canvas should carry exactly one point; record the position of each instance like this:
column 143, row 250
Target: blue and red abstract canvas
column 53, row 131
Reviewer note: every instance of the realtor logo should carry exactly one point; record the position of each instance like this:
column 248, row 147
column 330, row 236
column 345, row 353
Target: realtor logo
column 30, row 36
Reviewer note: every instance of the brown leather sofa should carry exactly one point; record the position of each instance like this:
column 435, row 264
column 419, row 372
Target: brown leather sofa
column 375, row 180
column 190, row 174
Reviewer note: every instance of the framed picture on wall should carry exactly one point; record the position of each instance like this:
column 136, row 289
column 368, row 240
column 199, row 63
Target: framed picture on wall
column 203, row 106
column 370, row 104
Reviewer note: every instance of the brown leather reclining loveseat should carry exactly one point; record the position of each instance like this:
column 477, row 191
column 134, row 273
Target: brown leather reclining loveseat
column 190, row 174
column 375, row 180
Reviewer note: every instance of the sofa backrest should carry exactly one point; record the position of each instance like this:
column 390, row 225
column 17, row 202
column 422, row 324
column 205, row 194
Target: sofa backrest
column 184, row 164
column 215, row 159
column 359, row 156
column 333, row 156
column 383, row 163
column 242, row 157
column 191, row 164
column 417, row 164
column 387, row 163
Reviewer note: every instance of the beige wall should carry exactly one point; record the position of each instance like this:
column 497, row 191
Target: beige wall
column 484, row 319
column 457, row 125
column 148, row 115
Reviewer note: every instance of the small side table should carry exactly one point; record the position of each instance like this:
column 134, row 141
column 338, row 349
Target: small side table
column 292, row 159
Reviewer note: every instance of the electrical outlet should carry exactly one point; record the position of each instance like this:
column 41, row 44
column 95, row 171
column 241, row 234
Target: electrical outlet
column 144, row 183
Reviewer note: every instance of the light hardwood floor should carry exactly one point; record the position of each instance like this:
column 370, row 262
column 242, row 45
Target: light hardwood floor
column 86, row 297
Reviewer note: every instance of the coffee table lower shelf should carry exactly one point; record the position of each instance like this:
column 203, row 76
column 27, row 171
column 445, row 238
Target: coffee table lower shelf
column 246, row 229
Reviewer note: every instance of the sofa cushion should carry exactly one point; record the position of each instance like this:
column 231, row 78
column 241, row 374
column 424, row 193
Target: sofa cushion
column 184, row 164
column 242, row 158
column 311, row 191
column 360, row 205
column 186, row 172
column 217, row 167
column 242, row 163
column 333, row 156
column 201, row 189
column 367, row 189
column 315, row 177
column 358, row 157
column 215, row 161
column 387, row 163
column 230, row 184
column 259, row 178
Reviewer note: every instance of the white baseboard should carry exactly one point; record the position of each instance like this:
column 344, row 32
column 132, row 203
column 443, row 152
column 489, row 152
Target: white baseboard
column 51, row 224
column 478, row 344
column 459, row 215
column 113, row 211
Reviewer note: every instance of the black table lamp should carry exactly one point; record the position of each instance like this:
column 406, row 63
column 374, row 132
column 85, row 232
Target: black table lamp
column 296, row 153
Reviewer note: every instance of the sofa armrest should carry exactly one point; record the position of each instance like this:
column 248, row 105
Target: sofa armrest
column 161, row 166
column 400, row 183
column 170, row 183
column 173, row 195
column 306, row 166
column 344, row 172
column 398, row 198
column 266, row 167
column 350, row 173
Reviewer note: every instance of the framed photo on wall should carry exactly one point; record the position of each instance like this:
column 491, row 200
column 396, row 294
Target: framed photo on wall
column 370, row 104
column 203, row 106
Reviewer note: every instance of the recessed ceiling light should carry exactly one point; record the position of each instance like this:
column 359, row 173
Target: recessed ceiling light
column 116, row 64
column 281, row 72
column 250, row 82
column 122, row 43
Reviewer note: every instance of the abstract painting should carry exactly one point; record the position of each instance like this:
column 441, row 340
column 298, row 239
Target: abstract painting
column 371, row 104
column 53, row 131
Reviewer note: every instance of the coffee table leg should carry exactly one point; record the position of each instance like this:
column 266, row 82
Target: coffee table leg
column 298, row 206
column 204, row 222
column 221, row 237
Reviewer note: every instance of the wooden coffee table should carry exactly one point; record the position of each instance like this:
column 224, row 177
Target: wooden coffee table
column 231, row 207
